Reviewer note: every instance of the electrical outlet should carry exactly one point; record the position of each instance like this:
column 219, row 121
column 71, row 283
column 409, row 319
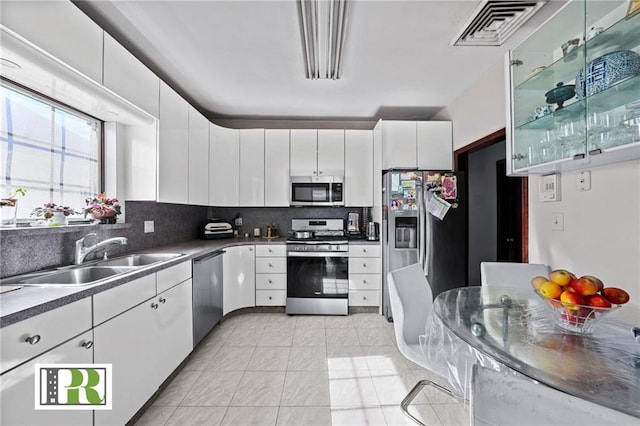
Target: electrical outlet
column 583, row 181
column 238, row 221
column 148, row 226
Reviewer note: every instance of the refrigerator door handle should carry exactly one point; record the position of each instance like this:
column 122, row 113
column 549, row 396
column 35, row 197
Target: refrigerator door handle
column 426, row 231
column 421, row 224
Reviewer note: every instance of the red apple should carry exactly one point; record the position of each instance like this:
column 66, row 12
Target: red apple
column 585, row 286
column 571, row 299
column 597, row 280
column 597, row 301
column 615, row 295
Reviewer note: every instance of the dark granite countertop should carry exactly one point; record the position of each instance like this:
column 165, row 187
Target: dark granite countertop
column 26, row 302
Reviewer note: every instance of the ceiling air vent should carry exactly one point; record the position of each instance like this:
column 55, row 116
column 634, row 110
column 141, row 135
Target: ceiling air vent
column 493, row 22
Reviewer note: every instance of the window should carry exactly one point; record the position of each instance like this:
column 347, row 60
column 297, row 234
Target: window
column 47, row 148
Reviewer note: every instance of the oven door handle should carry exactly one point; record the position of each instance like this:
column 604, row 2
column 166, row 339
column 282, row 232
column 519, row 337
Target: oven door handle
column 317, row 254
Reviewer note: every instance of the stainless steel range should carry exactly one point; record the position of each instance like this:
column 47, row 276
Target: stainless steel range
column 317, row 268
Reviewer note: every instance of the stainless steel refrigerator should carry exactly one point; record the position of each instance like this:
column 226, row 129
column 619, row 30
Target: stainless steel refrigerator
column 424, row 221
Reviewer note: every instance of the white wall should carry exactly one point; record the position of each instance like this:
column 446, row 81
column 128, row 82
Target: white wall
column 480, row 110
column 601, row 234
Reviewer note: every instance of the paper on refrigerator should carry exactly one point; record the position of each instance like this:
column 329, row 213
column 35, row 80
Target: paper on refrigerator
column 438, row 207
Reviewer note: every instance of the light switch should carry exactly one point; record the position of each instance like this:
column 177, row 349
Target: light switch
column 148, row 226
column 583, row 181
column 557, row 221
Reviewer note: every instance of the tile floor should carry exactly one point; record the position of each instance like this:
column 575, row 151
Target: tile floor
column 274, row 369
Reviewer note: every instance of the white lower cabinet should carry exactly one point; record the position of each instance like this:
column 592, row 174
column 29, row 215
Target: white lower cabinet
column 364, row 275
column 271, row 275
column 238, row 282
column 17, row 388
column 129, row 343
column 144, row 345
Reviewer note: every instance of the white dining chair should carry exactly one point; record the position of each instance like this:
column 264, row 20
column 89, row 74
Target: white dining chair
column 507, row 398
column 511, row 274
column 411, row 302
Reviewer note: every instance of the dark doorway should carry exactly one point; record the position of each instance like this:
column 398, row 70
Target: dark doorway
column 497, row 208
column 509, row 210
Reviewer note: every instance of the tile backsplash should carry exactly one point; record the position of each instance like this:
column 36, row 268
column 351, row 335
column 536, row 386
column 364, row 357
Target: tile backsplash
column 31, row 249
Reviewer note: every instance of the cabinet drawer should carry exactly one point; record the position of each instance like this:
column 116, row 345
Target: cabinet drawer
column 46, row 331
column 271, row 297
column 364, row 250
column 364, row 265
column 271, row 250
column 112, row 302
column 169, row 277
column 363, row 298
column 364, row 281
column 271, row 281
column 271, row 265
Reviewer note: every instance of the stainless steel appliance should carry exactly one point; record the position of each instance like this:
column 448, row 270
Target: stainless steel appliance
column 353, row 223
column 217, row 228
column 411, row 234
column 317, row 191
column 207, row 294
column 318, row 268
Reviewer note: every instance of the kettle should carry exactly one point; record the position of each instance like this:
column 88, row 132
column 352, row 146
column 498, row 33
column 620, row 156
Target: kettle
column 373, row 231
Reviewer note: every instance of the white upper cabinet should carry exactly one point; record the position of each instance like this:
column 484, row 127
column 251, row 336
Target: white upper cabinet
column 317, row 152
column 251, row 167
column 276, row 168
column 330, row 152
column 128, row 77
column 198, row 158
column 224, row 166
column 417, row 145
column 399, row 144
column 358, row 170
column 173, row 147
column 304, row 148
column 61, row 29
column 435, row 145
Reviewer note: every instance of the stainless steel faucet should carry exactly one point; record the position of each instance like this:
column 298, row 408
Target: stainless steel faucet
column 82, row 252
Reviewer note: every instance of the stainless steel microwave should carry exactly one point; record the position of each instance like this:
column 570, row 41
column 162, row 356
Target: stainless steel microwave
column 317, row 191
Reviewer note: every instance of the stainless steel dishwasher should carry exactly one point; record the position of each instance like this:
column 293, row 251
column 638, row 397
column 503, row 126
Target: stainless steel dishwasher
column 207, row 294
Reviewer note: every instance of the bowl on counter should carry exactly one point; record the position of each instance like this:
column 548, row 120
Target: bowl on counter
column 574, row 317
column 607, row 70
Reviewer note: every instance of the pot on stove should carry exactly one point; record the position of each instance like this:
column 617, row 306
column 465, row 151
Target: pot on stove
column 303, row 235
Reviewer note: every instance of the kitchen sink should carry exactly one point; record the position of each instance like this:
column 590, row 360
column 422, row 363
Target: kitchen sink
column 143, row 259
column 85, row 274
column 76, row 276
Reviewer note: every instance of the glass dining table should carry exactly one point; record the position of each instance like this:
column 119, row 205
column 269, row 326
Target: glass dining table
column 510, row 329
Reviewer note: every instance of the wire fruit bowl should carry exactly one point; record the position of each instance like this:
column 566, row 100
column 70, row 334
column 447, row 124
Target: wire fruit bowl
column 574, row 317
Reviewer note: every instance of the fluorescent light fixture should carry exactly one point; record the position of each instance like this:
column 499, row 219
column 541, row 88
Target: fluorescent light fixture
column 323, row 24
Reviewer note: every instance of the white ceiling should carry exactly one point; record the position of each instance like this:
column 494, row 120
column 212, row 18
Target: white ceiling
column 243, row 59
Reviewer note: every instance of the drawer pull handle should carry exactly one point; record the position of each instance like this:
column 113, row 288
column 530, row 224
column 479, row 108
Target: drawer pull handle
column 154, row 305
column 250, row 249
column 364, row 265
column 270, row 298
column 270, row 251
column 364, row 281
column 33, row 339
column 364, row 297
column 270, row 282
column 364, row 250
column 270, row 265
column 162, row 300
column 87, row 345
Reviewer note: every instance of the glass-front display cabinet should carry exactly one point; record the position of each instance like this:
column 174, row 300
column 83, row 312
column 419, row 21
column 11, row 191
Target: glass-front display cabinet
column 575, row 89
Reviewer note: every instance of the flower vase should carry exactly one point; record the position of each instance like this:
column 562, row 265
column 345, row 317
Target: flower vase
column 57, row 219
column 8, row 209
column 104, row 216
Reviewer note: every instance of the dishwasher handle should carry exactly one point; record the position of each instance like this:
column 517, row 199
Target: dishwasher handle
column 208, row 256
